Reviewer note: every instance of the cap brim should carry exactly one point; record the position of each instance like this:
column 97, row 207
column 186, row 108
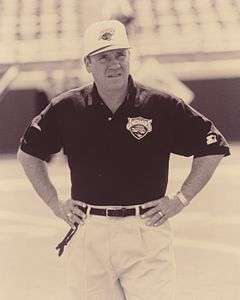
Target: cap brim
column 108, row 48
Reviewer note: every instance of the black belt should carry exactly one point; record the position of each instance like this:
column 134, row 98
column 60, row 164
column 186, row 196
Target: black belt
column 108, row 212
column 114, row 212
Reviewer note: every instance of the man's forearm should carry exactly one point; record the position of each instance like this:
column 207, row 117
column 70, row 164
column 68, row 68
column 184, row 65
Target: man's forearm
column 201, row 172
column 36, row 172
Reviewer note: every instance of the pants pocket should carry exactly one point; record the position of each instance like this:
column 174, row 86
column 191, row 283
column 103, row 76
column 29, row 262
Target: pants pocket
column 165, row 228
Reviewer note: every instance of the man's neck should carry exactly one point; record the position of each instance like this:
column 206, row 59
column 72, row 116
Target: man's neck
column 113, row 98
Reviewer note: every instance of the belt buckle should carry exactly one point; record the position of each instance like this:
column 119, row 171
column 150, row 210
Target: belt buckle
column 122, row 214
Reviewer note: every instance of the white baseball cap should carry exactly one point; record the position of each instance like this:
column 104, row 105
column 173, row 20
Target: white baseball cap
column 103, row 36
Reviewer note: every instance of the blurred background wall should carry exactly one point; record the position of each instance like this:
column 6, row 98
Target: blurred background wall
column 193, row 40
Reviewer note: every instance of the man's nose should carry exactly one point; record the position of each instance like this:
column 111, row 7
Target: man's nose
column 114, row 66
column 114, row 63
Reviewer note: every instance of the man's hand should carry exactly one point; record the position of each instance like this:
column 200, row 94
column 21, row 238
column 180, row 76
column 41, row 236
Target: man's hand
column 163, row 209
column 68, row 211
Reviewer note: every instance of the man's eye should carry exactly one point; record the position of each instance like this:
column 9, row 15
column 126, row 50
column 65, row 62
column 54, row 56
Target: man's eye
column 102, row 58
column 121, row 55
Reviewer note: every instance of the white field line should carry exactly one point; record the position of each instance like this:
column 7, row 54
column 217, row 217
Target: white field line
column 205, row 218
column 22, row 184
column 32, row 220
column 205, row 245
column 30, row 231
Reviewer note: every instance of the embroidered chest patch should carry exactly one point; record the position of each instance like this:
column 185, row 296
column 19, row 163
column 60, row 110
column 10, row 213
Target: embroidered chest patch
column 139, row 127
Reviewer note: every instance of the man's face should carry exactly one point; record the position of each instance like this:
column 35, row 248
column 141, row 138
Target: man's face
column 110, row 69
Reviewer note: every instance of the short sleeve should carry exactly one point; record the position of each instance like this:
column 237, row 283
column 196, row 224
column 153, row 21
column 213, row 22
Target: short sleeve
column 42, row 137
column 194, row 134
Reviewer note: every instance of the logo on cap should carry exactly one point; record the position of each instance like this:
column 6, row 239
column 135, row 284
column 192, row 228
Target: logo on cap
column 139, row 127
column 106, row 34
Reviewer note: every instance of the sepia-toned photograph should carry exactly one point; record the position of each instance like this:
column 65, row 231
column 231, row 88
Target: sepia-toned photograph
column 119, row 149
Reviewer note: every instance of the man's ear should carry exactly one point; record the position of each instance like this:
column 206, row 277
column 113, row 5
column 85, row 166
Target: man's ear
column 87, row 61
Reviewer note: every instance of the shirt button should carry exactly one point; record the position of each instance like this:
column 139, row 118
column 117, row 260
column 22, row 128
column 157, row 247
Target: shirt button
column 109, row 118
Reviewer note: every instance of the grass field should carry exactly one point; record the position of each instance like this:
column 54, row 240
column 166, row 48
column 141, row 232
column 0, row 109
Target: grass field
column 207, row 242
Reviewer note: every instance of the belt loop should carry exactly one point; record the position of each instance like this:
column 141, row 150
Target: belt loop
column 88, row 210
column 137, row 208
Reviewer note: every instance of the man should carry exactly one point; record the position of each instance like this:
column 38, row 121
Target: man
column 118, row 136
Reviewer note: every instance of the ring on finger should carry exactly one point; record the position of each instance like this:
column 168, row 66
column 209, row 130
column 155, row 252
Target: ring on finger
column 160, row 213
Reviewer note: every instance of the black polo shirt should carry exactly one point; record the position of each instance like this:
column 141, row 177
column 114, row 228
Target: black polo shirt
column 120, row 158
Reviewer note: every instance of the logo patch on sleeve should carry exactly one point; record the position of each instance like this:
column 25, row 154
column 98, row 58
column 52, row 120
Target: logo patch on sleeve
column 211, row 139
column 139, row 127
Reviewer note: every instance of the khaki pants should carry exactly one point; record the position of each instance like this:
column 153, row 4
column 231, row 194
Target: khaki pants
column 120, row 259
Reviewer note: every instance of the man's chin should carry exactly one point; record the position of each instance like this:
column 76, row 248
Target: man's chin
column 115, row 82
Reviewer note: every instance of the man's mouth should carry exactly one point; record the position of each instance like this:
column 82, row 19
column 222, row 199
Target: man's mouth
column 113, row 75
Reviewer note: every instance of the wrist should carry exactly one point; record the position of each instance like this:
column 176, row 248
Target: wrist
column 181, row 197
